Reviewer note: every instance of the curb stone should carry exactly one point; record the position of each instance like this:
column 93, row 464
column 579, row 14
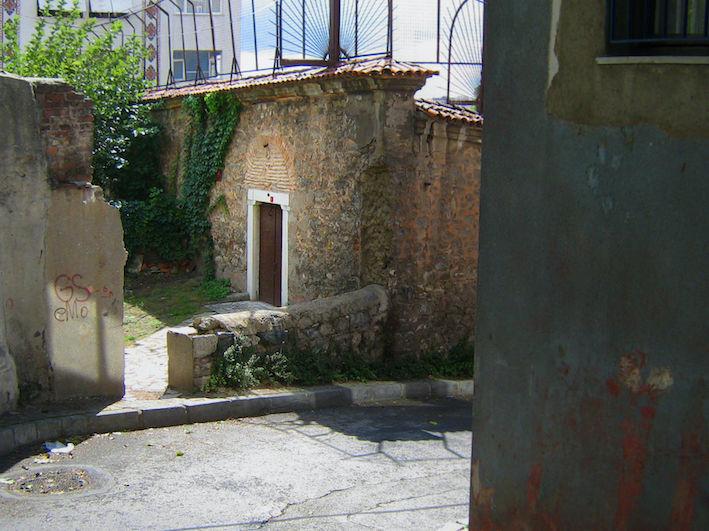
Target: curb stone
column 196, row 410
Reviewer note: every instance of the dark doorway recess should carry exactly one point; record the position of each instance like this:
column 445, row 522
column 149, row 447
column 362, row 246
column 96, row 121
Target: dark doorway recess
column 270, row 258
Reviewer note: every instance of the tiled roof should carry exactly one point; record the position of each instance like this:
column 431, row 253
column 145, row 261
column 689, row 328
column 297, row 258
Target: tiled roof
column 450, row 112
column 380, row 67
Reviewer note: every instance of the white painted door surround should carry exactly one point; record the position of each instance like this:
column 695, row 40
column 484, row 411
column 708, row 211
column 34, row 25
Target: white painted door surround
column 256, row 197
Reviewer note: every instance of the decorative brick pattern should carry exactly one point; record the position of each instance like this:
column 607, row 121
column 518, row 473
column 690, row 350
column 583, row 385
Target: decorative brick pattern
column 66, row 125
column 152, row 26
column 267, row 167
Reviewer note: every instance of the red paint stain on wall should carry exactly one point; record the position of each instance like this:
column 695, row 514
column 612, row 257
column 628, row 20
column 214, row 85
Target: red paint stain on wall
column 613, row 387
column 633, row 470
column 648, row 412
column 534, row 487
column 692, row 461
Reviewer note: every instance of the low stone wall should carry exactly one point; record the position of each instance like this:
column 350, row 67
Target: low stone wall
column 352, row 322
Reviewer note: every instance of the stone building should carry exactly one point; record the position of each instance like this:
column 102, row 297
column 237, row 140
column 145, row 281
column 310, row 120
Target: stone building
column 338, row 178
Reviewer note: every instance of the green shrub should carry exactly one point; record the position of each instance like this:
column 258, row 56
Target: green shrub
column 242, row 367
column 155, row 227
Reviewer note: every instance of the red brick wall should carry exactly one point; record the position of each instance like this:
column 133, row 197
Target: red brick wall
column 66, row 125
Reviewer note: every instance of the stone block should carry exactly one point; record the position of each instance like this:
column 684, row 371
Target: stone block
column 210, row 410
column 73, row 425
column 224, row 341
column 116, row 420
column 25, row 433
column 290, row 401
column 200, row 382
column 342, row 324
column 375, row 392
column 180, row 361
column 49, row 429
column 417, row 390
column 7, row 441
column 331, row 396
column 204, row 345
column 250, row 406
column 359, row 320
column 161, row 416
column 326, row 329
column 452, row 388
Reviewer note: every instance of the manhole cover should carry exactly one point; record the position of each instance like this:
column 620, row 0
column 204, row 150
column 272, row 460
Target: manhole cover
column 49, row 481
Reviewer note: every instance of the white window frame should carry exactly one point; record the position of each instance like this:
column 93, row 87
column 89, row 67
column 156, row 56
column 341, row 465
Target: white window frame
column 255, row 198
column 185, row 5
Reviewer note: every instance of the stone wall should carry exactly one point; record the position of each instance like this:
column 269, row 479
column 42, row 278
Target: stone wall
column 62, row 256
column 350, row 323
column 432, row 272
column 379, row 193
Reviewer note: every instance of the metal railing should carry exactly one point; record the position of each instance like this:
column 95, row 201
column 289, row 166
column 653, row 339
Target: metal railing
column 269, row 35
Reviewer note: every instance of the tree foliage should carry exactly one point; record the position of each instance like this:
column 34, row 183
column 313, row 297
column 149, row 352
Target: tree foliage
column 100, row 63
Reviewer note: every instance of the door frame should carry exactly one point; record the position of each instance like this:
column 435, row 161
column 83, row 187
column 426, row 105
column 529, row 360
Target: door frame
column 254, row 198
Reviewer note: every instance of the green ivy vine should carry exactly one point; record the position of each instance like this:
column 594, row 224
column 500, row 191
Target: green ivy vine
column 213, row 120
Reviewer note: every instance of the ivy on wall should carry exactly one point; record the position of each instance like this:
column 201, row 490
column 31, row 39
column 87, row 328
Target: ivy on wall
column 213, row 120
column 172, row 228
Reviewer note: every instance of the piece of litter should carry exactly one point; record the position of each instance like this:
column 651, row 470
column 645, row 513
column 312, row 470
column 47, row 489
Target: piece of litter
column 58, row 448
column 41, row 460
column 179, row 454
column 6, row 481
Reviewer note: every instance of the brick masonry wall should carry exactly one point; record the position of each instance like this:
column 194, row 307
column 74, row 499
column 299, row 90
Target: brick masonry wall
column 350, row 323
column 66, row 127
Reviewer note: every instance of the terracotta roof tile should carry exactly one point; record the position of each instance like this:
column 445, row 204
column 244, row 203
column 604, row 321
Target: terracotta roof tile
column 379, row 67
column 450, row 112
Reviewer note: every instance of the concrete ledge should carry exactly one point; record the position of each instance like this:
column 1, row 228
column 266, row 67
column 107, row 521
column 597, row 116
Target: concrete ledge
column 164, row 415
column 195, row 410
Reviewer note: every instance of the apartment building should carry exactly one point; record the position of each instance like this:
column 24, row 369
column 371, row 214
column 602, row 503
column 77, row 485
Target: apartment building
column 185, row 40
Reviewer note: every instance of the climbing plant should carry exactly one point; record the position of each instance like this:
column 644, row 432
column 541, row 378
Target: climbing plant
column 212, row 121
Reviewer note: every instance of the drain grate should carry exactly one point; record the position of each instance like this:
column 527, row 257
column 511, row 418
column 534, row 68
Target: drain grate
column 59, row 481
column 44, row 482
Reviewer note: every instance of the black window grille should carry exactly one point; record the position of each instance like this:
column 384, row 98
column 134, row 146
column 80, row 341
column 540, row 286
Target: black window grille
column 659, row 26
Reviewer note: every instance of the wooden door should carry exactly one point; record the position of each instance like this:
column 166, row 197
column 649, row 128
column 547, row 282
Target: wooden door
column 270, row 259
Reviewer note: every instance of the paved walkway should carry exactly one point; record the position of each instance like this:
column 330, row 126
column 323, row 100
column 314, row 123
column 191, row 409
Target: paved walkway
column 402, row 465
column 146, row 361
column 146, row 367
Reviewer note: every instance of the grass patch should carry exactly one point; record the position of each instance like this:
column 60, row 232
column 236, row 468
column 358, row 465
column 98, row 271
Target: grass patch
column 154, row 302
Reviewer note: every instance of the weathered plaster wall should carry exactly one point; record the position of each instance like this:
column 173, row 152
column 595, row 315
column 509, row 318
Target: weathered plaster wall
column 62, row 247
column 8, row 373
column 84, row 292
column 583, row 91
column 591, row 339
column 379, row 193
column 24, row 204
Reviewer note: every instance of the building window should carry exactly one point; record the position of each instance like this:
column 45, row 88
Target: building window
column 109, row 8
column 201, row 7
column 185, row 63
column 658, row 27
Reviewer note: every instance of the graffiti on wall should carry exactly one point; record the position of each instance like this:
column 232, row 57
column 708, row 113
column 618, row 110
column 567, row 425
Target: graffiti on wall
column 74, row 294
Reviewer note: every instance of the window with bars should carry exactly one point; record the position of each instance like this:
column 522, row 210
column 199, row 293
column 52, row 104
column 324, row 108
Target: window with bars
column 186, row 63
column 658, row 26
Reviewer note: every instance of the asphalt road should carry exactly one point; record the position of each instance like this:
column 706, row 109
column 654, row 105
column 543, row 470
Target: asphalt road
column 402, row 465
